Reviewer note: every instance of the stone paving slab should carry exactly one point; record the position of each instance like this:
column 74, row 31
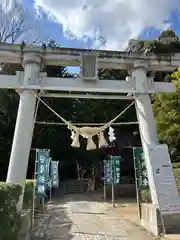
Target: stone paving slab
column 78, row 217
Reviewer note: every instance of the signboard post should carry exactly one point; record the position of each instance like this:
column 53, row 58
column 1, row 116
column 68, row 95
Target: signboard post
column 111, row 174
column 141, row 178
column 54, row 176
column 107, row 175
column 112, row 181
column 116, row 169
column 42, row 172
column 140, row 167
column 41, row 176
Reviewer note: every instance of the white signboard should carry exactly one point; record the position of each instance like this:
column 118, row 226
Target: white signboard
column 164, row 180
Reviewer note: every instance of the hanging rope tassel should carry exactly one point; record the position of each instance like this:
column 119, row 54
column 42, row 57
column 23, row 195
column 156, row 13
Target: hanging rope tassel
column 90, row 144
column 102, row 140
column 75, row 138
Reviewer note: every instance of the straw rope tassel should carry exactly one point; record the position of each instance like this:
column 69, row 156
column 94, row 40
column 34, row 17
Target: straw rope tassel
column 90, row 144
column 102, row 140
column 75, row 139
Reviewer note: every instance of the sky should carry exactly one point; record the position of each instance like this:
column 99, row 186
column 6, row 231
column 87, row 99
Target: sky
column 101, row 24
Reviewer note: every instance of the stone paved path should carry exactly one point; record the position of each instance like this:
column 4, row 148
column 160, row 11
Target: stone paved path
column 78, row 217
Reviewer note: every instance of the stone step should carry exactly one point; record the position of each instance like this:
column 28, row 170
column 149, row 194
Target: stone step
column 72, row 186
column 73, row 189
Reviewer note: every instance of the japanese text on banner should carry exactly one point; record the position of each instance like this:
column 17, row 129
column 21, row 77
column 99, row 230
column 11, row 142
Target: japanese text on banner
column 112, row 170
column 54, row 174
column 42, row 172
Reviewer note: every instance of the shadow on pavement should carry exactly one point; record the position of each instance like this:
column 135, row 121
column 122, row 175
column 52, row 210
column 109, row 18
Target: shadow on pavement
column 90, row 213
column 71, row 216
column 53, row 224
column 92, row 197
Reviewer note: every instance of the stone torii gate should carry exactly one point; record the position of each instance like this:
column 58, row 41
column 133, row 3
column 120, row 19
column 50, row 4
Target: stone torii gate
column 33, row 59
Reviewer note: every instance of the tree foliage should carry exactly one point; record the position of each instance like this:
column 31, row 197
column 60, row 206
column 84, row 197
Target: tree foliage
column 167, row 114
column 167, row 43
column 168, row 33
column 16, row 24
column 10, row 218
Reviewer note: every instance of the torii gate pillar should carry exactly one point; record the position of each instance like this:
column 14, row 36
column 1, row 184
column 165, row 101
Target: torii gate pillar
column 146, row 121
column 24, row 126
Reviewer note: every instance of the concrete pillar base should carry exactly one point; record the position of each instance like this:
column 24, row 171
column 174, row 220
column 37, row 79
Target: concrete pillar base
column 151, row 220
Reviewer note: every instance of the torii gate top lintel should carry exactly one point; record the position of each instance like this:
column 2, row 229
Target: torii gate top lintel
column 12, row 53
column 89, row 61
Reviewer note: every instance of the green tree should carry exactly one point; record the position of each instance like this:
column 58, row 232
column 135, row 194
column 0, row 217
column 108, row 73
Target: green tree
column 167, row 114
column 17, row 24
column 167, row 43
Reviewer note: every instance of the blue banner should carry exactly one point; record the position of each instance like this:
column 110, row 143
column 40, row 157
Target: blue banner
column 112, row 170
column 54, row 174
column 42, row 172
column 116, row 169
column 140, row 167
column 108, row 171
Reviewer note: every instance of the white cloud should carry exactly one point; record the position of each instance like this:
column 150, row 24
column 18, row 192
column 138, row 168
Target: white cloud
column 110, row 22
column 7, row 5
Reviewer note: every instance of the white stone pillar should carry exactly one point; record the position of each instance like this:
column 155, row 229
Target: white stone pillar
column 147, row 126
column 24, row 126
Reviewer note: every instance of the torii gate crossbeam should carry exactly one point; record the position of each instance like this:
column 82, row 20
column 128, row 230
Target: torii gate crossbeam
column 77, row 85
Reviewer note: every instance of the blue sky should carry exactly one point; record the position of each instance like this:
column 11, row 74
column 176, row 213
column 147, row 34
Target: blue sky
column 54, row 30
column 115, row 25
